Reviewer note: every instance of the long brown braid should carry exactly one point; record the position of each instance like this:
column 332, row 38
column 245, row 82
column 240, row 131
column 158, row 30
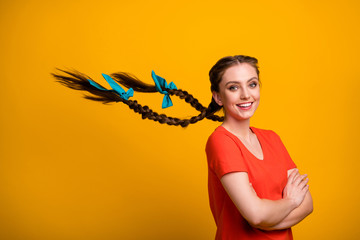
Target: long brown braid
column 79, row 81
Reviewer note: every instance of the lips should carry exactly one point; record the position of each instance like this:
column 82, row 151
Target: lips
column 245, row 106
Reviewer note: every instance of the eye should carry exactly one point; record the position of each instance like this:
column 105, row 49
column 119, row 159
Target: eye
column 233, row 88
column 253, row 84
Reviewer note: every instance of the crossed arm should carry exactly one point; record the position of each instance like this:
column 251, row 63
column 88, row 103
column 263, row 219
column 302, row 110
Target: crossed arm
column 266, row 214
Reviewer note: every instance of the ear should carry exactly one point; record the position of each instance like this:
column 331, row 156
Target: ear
column 217, row 98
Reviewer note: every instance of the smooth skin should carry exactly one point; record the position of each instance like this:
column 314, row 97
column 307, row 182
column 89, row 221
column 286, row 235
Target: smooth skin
column 239, row 88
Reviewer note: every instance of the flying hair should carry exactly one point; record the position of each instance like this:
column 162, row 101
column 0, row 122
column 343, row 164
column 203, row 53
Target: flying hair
column 79, row 81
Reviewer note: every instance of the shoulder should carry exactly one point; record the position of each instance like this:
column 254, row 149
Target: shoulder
column 272, row 139
column 224, row 152
column 266, row 134
column 220, row 136
column 221, row 139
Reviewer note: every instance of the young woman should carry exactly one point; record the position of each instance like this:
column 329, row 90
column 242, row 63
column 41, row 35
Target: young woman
column 255, row 190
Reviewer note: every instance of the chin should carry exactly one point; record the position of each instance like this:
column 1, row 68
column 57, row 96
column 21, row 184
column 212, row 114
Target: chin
column 241, row 117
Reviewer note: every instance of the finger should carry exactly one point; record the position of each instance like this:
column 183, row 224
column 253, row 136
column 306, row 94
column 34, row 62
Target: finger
column 292, row 175
column 296, row 177
column 303, row 185
column 299, row 179
column 305, row 189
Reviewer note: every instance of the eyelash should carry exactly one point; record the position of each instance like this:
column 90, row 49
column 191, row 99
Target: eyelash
column 234, row 87
column 253, row 84
column 231, row 88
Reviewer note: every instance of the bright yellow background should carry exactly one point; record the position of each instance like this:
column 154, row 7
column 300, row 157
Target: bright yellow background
column 75, row 169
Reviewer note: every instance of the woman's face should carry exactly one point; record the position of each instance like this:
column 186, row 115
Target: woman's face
column 239, row 92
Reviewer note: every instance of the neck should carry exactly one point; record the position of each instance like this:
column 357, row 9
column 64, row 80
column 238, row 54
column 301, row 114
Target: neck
column 238, row 127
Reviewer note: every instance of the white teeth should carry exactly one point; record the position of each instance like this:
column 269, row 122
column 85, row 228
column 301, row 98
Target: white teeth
column 245, row 105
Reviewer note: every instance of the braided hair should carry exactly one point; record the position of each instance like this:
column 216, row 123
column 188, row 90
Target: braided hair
column 79, row 81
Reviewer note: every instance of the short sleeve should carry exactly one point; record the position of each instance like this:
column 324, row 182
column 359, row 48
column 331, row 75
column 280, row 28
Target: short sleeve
column 224, row 155
column 289, row 163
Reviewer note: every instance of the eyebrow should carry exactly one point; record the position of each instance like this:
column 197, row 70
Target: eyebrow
column 253, row 78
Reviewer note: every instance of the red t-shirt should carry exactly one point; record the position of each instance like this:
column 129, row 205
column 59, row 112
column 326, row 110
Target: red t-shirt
column 225, row 154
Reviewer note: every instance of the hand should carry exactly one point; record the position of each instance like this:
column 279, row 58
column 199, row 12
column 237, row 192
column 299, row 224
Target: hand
column 296, row 187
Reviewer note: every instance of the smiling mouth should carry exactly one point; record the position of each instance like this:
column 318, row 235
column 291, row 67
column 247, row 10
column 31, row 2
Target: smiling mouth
column 245, row 106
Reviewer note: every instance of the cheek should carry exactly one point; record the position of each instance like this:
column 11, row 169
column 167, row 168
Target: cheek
column 257, row 95
column 231, row 98
column 257, row 98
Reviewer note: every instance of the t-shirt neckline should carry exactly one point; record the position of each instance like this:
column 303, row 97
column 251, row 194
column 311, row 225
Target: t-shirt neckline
column 259, row 138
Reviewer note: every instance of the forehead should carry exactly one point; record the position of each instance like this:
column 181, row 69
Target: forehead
column 239, row 72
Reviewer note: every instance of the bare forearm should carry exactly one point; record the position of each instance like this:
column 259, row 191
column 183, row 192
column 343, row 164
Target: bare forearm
column 301, row 210
column 262, row 212
column 295, row 216
column 272, row 212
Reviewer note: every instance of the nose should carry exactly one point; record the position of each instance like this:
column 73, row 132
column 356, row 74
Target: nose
column 244, row 94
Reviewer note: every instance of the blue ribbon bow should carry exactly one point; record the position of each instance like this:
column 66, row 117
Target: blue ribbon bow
column 115, row 87
column 161, row 82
